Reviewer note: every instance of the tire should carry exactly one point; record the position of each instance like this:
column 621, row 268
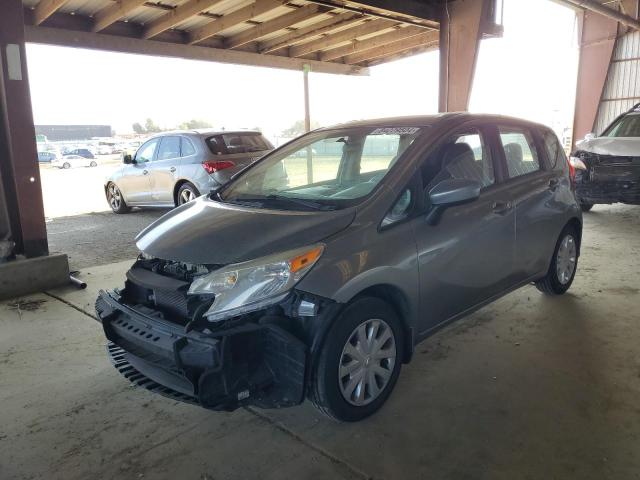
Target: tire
column 329, row 392
column 116, row 200
column 186, row 193
column 586, row 206
column 556, row 283
column 93, row 164
column 66, row 165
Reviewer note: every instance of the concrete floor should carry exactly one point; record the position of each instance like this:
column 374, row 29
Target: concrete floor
column 530, row 387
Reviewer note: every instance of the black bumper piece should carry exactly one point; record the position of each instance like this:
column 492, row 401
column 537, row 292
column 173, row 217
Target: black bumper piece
column 259, row 364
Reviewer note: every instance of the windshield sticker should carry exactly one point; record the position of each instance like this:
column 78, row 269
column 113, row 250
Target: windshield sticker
column 395, row 131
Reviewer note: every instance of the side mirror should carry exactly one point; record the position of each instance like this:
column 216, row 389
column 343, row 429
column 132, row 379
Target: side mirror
column 128, row 159
column 590, row 136
column 453, row 191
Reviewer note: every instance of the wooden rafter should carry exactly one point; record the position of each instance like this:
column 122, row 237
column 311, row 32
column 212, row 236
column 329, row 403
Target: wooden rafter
column 393, row 48
column 328, row 41
column 302, row 34
column 229, row 20
column 404, row 54
column 377, row 41
column 279, row 23
column 45, row 9
column 114, row 43
column 115, row 12
column 177, row 15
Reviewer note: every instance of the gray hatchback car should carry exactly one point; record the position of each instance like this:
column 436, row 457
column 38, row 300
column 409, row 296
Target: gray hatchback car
column 175, row 167
column 316, row 271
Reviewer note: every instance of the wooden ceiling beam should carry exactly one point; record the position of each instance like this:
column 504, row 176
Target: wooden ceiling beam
column 305, row 33
column 279, row 23
column 328, row 41
column 176, row 16
column 229, row 20
column 45, row 9
column 415, row 41
column 112, row 13
column 378, row 41
column 404, row 54
column 114, row 43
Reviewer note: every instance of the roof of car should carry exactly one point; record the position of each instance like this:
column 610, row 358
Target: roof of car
column 430, row 120
column 205, row 132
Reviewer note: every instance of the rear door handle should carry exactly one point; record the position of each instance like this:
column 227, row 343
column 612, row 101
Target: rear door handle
column 553, row 183
column 172, row 169
column 145, row 172
column 501, row 208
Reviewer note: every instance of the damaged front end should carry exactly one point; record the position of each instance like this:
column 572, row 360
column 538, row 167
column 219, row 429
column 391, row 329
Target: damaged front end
column 160, row 338
column 606, row 178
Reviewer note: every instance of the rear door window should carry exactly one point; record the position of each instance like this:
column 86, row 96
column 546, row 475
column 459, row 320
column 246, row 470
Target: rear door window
column 169, row 148
column 519, row 151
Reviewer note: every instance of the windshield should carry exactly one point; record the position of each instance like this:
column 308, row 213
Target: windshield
column 627, row 126
column 324, row 170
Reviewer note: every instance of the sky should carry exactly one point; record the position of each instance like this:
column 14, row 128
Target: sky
column 530, row 72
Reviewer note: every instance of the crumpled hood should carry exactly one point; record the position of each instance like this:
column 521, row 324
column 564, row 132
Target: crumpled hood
column 617, row 146
column 209, row 232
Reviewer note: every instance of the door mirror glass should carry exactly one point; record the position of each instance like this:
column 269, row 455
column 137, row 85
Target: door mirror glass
column 454, row 191
column 128, row 159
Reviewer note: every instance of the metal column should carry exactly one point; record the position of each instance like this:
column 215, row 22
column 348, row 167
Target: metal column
column 18, row 154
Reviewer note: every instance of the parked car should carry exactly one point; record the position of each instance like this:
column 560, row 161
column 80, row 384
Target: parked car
column 175, row 167
column 82, row 152
column 47, row 157
column 287, row 283
column 608, row 166
column 72, row 161
column 104, row 150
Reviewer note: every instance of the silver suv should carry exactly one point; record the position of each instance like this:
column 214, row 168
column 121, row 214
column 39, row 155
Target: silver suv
column 316, row 271
column 176, row 167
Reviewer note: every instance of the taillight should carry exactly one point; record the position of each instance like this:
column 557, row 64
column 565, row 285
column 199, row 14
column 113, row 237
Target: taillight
column 213, row 166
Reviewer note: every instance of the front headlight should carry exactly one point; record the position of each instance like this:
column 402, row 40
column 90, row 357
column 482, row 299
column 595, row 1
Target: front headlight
column 577, row 163
column 249, row 286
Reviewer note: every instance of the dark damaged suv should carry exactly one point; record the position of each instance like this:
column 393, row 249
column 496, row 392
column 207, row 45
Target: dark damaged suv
column 315, row 272
column 608, row 167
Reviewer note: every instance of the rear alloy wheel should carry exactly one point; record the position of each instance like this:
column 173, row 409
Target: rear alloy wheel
column 116, row 200
column 359, row 362
column 66, row 165
column 93, row 164
column 563, row 265
column 586, row 206
column 187, row 193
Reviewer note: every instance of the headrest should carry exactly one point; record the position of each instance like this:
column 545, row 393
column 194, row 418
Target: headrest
column 513, row 152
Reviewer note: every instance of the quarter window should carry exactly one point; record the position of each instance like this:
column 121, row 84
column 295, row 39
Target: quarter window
column 187, row 147
column 146, row 151
column 554, row 150
column 519, row 151
column 169, row 148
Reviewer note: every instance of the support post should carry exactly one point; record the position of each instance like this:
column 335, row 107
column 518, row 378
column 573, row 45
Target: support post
column 461, row 29
column 307, row 121
column 18, row 156
column 597, row 37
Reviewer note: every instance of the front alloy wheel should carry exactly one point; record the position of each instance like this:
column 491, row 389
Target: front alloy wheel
column 115, row 199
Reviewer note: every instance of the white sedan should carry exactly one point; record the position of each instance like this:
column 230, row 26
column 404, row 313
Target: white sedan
column 69, row 161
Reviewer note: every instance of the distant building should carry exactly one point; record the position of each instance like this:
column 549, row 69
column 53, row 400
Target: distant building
column 55, row 133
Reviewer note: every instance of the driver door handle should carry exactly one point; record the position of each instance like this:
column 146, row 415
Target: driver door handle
column 145, row 172
column 501, row 208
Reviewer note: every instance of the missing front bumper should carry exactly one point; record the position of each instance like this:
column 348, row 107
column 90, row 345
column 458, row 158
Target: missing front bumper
column 257, row 363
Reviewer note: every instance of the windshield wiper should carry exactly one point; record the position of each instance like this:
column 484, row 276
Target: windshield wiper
column 262, row 200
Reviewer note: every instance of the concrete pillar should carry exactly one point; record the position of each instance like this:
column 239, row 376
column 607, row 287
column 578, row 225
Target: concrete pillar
column 18, row 154
column 461, row 28
column 597, row 36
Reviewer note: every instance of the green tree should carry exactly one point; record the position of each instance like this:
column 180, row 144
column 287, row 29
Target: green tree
column 298, row 128
column 151, row 127
column 138, row 128
column 193, row 124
